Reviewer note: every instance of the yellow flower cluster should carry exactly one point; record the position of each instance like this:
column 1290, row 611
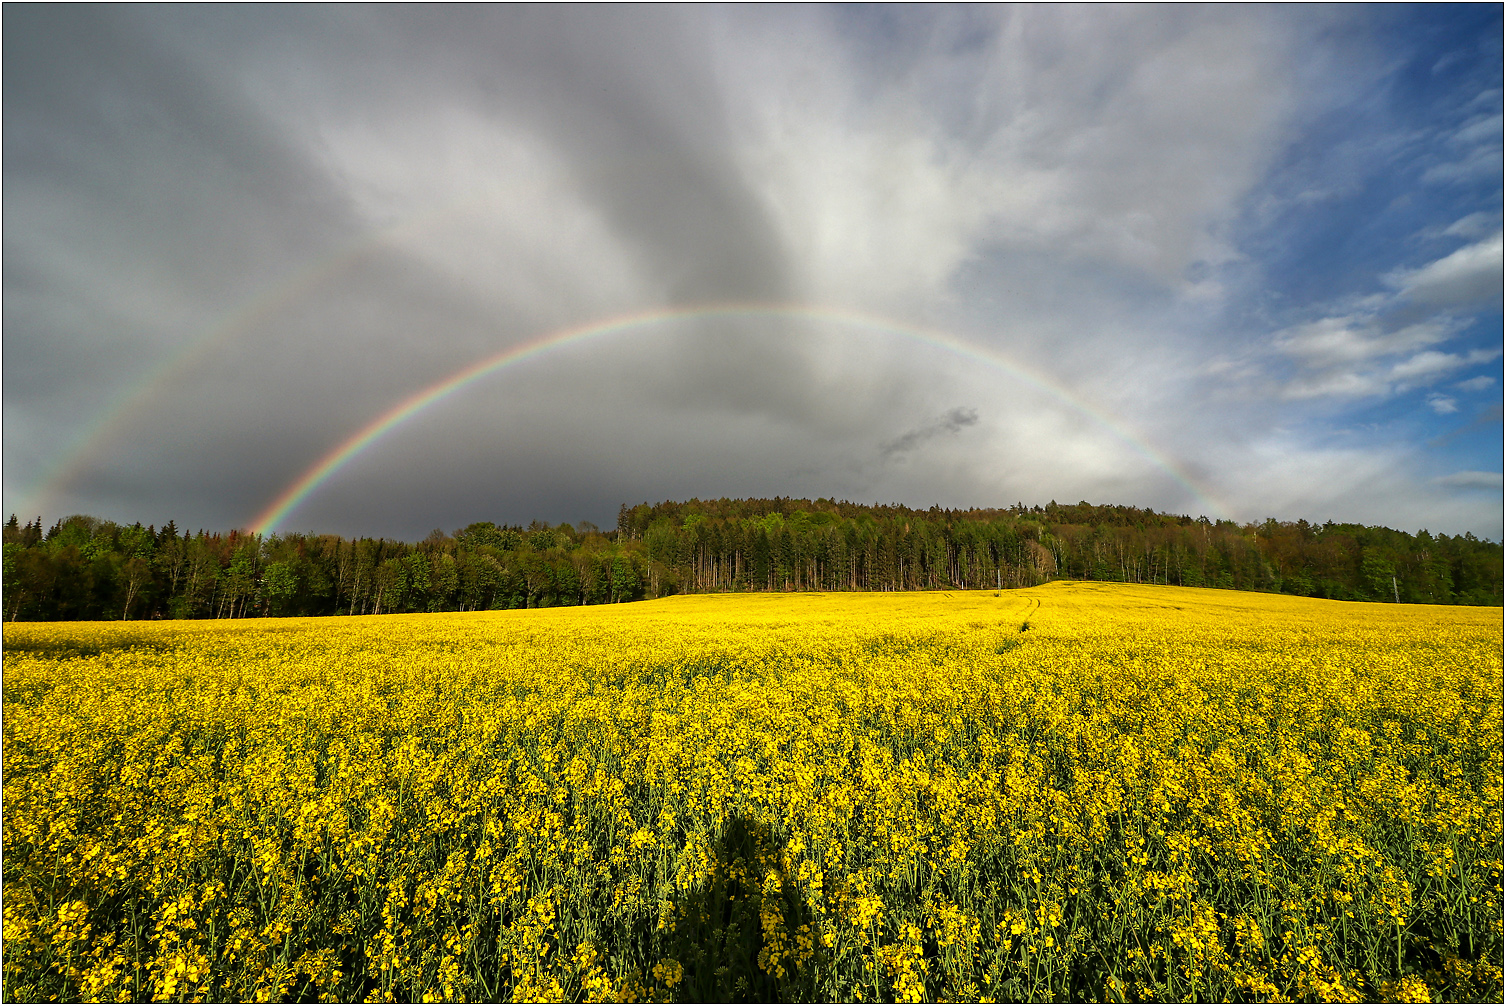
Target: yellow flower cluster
column 1082, row 790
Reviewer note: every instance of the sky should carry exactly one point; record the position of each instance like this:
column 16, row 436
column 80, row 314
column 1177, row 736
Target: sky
column 380, row 270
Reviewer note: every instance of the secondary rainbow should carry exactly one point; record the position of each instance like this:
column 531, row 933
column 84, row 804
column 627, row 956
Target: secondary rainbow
column 129, row 406
column 326, row 467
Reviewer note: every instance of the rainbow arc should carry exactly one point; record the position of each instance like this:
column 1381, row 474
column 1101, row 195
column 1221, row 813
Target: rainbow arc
column 326, row 467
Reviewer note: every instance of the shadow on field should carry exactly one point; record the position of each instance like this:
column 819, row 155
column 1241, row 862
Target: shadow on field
column 724, row 926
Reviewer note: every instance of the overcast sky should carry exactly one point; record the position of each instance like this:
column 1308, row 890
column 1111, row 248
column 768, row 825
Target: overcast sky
column 1252, row 254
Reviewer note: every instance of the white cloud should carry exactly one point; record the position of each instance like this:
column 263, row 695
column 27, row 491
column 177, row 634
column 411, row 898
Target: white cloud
column 1478, row 142
column 1468, row 276
column 1354, row 338
column 1471, row 480
column 1334, row 385
column 888, row 178
column 1480, row 131
column 1374, row 346
column 1355, row 352
column 1475, row 225
column 1426, row 367
column 1341, row 361
column 1353, row 356
column 1369, row 485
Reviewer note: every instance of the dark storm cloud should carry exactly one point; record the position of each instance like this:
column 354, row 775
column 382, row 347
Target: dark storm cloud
column 952, row 422
column 138, row 154
column 630, row 96
column 629, row 99
column 110, row 131
column 234, row 236
column 144, row 197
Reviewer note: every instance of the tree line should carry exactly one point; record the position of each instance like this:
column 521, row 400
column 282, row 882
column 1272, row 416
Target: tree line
column 86, row 568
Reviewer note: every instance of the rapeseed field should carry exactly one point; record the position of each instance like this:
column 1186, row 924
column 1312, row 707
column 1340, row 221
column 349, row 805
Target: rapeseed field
column 1078, row 791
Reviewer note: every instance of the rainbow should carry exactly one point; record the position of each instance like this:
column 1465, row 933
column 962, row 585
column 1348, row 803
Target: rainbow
column 326, row 467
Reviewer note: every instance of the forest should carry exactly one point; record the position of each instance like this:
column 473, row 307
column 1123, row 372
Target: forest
column 86, row 568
